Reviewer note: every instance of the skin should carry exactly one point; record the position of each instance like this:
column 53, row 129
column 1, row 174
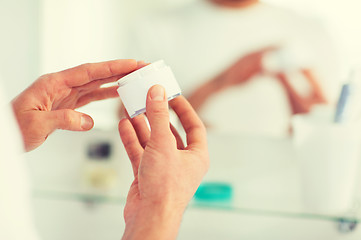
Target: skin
column 250, row 65
column 166, row 173
column 300, row 104
column 234, row 3
column 49, row 103
column 246, row 68
column 238, row 73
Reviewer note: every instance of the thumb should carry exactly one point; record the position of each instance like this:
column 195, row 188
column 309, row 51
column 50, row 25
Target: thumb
column 68, row 119
column 157, row 112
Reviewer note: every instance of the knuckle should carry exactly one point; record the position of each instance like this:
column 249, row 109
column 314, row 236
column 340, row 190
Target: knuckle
column 47, row 77
column 85, row 65
column 160, row 112
column 68, row 118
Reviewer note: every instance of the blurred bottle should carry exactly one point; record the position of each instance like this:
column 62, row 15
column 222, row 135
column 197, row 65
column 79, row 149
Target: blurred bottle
column 99, row 171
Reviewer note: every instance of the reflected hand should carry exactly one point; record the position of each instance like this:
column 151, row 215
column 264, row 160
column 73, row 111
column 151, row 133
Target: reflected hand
column 300, row 104
column 49, row 103
column 167, row 174
column 240, row 72
column 243, row 70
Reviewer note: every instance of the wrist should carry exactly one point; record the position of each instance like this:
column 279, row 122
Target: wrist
column 204, row 92
column 154, row 221
column 218, row 83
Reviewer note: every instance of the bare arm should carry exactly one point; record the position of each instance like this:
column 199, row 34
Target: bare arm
column 238, row 73
column 49, row 103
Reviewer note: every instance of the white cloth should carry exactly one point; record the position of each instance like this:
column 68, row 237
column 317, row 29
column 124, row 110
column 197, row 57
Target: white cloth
column 16, row 222
column 200, row 40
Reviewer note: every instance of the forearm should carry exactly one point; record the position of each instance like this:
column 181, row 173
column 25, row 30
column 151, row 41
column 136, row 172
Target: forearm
column 198, row 97
column 152, row 222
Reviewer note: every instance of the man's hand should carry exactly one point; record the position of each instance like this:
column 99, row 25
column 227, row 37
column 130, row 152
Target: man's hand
column 166, row 173
column 301, row 104
column 49, row 103
column 240, row 72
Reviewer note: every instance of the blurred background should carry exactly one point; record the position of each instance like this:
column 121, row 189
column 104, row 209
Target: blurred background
column 47, row 36
column 288, row 57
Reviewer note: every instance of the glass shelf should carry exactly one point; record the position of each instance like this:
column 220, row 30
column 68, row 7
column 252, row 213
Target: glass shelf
column 107, row 199
column 262, row 172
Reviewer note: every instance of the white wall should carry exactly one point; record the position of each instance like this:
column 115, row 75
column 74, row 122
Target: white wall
column 89, row 30
column 79, row 31
column 341, row 17
column 41, row 36
column 73, row 32
column 19, row 44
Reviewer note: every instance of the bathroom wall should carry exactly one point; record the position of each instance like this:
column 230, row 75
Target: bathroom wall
column 19, row 44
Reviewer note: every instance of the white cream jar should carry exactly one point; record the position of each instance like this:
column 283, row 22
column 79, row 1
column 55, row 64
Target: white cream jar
column 133, row 88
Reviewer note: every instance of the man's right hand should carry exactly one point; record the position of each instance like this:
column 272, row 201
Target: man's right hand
column 166, row 173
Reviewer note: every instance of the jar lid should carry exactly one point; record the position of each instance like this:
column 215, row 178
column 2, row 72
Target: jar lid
column 133, row 88
column 142, row 72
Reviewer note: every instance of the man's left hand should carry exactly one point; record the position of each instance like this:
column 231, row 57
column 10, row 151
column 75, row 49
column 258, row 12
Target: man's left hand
column 49, row 103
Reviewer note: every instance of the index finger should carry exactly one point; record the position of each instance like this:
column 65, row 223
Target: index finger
column 193, row 126
column 268, row 49
column 88, row 72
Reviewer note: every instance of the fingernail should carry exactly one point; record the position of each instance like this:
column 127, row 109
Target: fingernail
column 141, row 64
column 157, row 93
column 86, row 122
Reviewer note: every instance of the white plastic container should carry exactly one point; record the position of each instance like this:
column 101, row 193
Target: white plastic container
column 133, row 88
column 328, row 155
